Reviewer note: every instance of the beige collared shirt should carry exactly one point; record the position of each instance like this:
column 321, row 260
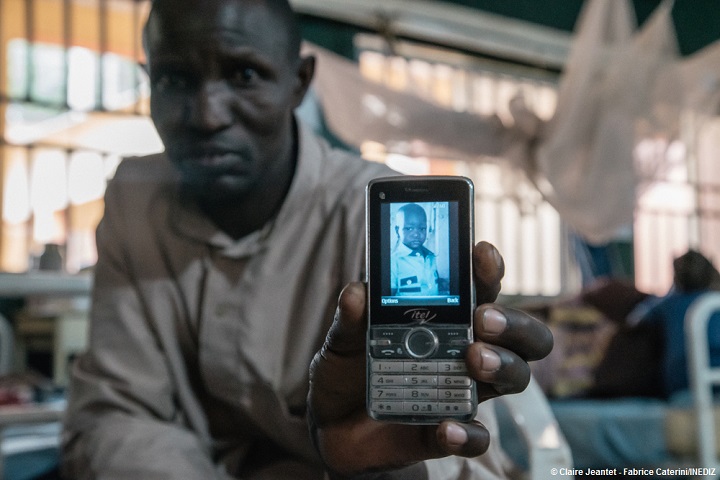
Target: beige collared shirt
column 199, row 344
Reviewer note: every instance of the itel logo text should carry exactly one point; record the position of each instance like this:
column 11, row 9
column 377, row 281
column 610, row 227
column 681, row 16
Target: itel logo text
column 420, row 315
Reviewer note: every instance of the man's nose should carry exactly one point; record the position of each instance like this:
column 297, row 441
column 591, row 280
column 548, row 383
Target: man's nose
column 209, row 109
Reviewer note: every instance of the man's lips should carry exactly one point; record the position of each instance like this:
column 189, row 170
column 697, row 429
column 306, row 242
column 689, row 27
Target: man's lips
column 212, row 161
column 219, row 160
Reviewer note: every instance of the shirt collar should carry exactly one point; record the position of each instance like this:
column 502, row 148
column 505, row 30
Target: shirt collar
column 405, row 251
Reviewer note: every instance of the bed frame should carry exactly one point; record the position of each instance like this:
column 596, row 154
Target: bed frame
column 703, row 377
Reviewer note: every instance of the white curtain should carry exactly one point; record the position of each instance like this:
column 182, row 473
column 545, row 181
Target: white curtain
column 584, row 162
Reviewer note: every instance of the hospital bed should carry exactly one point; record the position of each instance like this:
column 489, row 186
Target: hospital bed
column 678, row 436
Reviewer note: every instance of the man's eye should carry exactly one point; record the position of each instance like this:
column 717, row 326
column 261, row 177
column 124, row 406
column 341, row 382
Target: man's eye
column 170, row 82
column 246, row 75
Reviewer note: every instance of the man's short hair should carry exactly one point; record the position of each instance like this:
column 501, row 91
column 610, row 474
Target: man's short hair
column 281, row 8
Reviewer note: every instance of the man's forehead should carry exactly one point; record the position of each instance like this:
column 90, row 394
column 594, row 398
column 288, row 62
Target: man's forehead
column 169, row 17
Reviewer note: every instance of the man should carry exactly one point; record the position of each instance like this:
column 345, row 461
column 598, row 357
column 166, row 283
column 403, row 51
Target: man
column 219, row 267
column 413, row 268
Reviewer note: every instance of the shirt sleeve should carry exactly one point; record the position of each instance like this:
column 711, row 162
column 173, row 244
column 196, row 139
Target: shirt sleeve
column 122, row 419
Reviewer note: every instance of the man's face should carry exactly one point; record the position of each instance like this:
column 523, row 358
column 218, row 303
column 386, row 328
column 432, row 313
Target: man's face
column 414, row 229
column 224, row 85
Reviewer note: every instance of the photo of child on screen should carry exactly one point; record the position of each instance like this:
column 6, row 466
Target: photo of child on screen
column 414, row 266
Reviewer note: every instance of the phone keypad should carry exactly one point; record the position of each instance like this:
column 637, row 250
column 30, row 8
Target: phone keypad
column 427, row 387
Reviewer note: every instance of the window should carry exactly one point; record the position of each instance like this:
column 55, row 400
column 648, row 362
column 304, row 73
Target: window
column 74, row 101
column 681, row 209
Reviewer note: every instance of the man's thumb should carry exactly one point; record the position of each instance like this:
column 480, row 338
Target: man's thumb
column 347, row 333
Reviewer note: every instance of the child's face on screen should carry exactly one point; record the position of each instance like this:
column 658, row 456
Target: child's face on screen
column 414, row 229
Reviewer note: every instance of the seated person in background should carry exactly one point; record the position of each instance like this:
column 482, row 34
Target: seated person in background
column 220, row 265
column 413, row 268
column 694, row 275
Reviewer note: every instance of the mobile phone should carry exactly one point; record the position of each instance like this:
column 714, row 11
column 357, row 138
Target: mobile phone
column 420, row 298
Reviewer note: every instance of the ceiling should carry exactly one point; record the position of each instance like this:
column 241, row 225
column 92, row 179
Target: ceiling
column 533, row 32
column 697, row 21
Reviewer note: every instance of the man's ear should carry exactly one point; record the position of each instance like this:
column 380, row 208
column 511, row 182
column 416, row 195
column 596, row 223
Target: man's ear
column 305, row 74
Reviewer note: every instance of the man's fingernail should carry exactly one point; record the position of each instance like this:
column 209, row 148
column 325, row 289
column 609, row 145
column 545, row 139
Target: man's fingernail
column 494, row 322
column 456, row 435
column 498, row 258
column 490, row 360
